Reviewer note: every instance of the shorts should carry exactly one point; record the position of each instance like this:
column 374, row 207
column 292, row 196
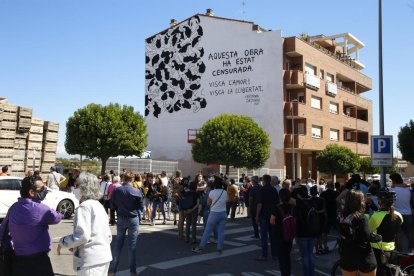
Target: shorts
column 353, row 262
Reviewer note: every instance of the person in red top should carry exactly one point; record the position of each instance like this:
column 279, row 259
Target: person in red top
column 4, row 170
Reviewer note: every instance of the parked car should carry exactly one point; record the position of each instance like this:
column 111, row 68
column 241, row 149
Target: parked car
column 63, row 202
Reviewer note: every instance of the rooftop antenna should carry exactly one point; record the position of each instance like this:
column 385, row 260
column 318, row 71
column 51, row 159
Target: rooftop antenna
column 244, row 10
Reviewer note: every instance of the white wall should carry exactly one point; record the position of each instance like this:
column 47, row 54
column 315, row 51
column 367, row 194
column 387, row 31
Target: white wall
column 208, row 46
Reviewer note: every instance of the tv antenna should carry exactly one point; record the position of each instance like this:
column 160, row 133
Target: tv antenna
column 244, row 10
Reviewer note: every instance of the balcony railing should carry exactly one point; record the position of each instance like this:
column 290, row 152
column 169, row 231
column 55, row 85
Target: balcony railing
column 331, row 88
column 312, row 81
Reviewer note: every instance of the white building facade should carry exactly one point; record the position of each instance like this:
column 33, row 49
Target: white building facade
column 203, row 67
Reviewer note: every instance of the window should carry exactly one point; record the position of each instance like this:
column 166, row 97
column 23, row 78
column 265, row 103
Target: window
column 301, row 128
column 310, row 69
column 316, row 102
column 321, row 74
column 316, row 131
column 329, row 77
column 301, row 97
column 348, row 136
column 334, row 134
column 333, row 108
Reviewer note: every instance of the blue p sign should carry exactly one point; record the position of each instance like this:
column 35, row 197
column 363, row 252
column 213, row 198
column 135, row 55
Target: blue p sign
column 382, row 145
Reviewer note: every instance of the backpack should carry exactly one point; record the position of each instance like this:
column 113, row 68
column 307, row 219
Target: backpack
column 288, row 224
column 186, row 201
column 313, row 223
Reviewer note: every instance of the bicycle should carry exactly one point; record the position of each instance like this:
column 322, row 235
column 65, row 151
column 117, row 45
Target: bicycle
column 403, row 264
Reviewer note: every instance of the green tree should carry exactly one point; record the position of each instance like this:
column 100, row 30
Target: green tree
column 366, row 167
column 406, row 142
column 232, row 140
column 335, row 159
column 98, row 131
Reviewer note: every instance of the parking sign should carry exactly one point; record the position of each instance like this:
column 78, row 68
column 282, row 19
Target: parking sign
column 381, row 150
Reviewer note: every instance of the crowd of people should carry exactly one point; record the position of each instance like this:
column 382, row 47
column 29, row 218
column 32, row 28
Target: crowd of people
column 370, row 220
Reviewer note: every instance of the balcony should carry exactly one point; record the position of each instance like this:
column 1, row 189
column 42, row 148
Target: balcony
column 295, row 109
column 293, row 79
column 331, row 88
column 312, row 81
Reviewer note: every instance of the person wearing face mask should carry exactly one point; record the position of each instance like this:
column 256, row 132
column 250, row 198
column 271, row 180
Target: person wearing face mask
column 29, row 215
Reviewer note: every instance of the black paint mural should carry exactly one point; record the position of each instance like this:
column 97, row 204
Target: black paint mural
column 174, row 68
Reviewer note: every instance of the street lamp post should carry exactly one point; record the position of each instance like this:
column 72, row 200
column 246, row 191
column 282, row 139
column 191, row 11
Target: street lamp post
column 293, row 138
column 380, row 86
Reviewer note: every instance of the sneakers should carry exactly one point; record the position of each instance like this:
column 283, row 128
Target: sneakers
column 197, row 250
column 152, row 223
column 164, row 222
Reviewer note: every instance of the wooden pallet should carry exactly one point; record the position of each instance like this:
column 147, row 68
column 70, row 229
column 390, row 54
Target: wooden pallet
column 49, row 157
column 9, row 125
column 50, row 136
column 35, row 137
column 8, row 116
column 49, row 146
column 36, row 129
column 50, row 126
column 19, row 154
column 32, row 145
column 7, row 143
column 7, row 134
column 37, row 122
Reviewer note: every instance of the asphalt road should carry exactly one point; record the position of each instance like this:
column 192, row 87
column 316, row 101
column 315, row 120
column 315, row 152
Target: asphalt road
column 159, row 252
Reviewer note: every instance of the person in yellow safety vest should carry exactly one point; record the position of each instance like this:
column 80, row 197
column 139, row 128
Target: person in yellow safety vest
column 385, row 222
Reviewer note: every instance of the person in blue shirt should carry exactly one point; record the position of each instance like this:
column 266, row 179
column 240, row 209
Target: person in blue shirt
column 129, row 202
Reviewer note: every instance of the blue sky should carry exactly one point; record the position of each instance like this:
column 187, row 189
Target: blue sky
column 58, row 55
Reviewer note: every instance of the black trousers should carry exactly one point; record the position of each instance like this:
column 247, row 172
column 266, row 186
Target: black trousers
column 33, row 265
column 283, row 255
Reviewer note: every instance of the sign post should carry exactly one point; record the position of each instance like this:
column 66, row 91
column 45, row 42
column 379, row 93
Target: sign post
column 381, row 152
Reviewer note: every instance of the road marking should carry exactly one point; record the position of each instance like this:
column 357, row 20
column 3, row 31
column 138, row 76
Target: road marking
column 238, row 230
column 273, row 272
column 251, row 274
column 204, row 257
column 321, row 272
column 199, row 237
column 246, row 238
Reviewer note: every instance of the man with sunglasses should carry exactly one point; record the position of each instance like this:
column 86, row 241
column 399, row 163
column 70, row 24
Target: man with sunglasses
column 28, row 223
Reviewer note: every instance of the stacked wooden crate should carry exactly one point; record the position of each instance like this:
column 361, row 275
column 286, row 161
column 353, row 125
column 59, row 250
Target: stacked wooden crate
column 50, row 139
column 34, row 145
column 26, row 143
column 8, row 126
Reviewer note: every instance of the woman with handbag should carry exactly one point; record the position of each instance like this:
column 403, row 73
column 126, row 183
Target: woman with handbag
column 217, row 218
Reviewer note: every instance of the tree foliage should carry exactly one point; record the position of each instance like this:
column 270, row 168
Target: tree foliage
column 406, row 141
column 98, row 131
column 232, row 140
column 366, row 167
column 335, row 159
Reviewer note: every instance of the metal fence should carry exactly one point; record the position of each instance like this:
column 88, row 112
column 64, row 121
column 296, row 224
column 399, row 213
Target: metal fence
column 237, row 172
column 141, row 165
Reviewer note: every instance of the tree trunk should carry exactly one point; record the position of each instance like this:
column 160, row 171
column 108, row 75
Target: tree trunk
column 227, row 169
column 103, row 167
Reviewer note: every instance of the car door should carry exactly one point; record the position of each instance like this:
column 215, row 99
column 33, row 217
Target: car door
column 9, row 193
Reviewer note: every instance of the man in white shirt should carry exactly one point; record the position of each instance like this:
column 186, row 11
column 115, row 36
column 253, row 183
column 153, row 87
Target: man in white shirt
column 54, row 179
column 164, row 178
column 402, row 205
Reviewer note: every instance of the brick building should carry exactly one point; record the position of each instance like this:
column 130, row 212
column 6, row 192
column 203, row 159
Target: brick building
column 322, row 99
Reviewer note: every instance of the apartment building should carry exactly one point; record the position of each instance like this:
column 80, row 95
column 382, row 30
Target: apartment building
column 323, row 103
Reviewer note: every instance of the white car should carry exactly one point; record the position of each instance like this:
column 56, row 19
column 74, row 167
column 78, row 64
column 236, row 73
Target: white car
column 63, row 202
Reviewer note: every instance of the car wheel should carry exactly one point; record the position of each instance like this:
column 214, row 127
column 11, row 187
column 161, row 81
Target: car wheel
column 66, row 208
